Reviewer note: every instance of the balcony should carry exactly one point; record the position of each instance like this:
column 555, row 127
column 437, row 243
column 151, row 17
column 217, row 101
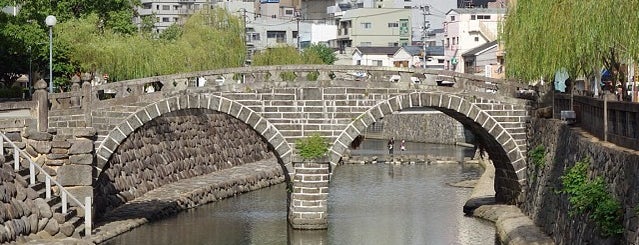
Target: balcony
column 145, row 12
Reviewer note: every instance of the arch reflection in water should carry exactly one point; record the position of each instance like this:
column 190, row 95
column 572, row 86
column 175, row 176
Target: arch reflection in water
column 368, row 204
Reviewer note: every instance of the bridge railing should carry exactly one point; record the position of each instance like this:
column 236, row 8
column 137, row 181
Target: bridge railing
column 64, row 194
column 294, row 73
column 613, row 121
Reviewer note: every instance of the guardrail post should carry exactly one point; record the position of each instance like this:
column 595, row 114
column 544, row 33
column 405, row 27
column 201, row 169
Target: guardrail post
column 88, row 218
column 47, row 182
column 16, row 158
column 31, row 174
column 64, row 202
column 605, row 117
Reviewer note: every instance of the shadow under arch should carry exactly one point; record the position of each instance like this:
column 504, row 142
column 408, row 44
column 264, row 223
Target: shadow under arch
column 212, row 102
column 181, row 104
column 506, row 154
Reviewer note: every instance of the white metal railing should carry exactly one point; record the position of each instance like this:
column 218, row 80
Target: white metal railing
column 64, row 194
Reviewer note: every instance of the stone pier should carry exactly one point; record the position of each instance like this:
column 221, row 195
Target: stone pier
column 309, row 197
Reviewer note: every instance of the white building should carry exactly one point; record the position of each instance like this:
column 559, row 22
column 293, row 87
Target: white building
column 373, row 27
column 382, row 56
column 433, row 19
column 465, row 29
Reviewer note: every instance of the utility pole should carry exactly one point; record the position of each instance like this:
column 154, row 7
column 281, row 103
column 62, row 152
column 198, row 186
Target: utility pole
column 297, row 18
column 245, row 38
column 425, row 12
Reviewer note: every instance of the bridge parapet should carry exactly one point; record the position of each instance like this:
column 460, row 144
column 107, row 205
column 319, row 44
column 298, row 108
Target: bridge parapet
column 227, row 78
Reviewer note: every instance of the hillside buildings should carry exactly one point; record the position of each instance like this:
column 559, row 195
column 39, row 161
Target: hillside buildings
column 466, row 29
column 464, row 43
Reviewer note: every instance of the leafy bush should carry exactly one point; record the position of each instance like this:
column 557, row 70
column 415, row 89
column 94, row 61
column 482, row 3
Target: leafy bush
column 312, row 147
column 11, row 92
column 538, row 155
column 288, row 76
column 591, row 196
column 312, row 76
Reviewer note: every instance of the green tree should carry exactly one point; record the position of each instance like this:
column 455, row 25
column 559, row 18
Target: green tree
column 282, row 55
column 208, row 41
column 542, row 36
column 288, row 55
column 326, row 54
column 171, row 33
column 24, row 37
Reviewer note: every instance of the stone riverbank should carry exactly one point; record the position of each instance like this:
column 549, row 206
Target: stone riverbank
column 178, row 196
column 513, row 227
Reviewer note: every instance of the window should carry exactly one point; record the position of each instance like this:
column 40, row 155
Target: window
column 367, row 25
column 166, row 7
column 440, row 61
column 377, row 62
column 288, row 12
column 483, row 17
column 393, row 24
column 447, row 42
column 294, row 34
column 452, row 18
column 408, row 7
column 476, row 39
column 280, row 36
column 165, row 19
column 472, row 17
column 176, row 7
column 157, row 7
column 255, row 36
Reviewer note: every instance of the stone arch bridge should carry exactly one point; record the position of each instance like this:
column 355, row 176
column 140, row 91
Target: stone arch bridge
column 284, row 103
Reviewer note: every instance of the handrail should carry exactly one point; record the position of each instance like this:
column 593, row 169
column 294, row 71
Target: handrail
column 64, row 193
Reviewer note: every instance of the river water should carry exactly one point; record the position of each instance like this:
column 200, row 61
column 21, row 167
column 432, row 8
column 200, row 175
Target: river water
column 368, row 204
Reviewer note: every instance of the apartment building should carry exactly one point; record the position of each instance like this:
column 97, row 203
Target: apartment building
column 467, row 28
column 169, row 12
column 373, row 27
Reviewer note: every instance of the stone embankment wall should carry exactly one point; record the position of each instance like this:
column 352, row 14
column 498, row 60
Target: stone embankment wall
column 550, row 209
column 23, row 213
column 177, row 145
column 434, row 127
column 66, row 155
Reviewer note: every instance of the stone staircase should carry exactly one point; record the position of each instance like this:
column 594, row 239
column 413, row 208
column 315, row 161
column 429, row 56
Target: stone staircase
column 53, row 211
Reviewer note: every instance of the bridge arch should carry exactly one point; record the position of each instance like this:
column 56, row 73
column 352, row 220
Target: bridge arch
column 507, row 156
column 209, row 101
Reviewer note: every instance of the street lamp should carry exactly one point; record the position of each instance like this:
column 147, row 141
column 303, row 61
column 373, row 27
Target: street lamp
column 50, row 21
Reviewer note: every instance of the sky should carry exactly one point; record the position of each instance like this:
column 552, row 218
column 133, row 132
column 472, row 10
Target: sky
column 438, row 10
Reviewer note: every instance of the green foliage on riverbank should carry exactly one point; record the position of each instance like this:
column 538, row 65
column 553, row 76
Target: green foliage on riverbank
column 590, row 196
column 206, row 41
column 538, row 156
column 312, row 147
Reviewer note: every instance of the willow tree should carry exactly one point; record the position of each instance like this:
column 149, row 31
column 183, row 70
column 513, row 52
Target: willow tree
column 542, row 36
column 207, row 40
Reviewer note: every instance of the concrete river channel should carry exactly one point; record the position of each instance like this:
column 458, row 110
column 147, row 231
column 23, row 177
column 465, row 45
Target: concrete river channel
column 369, row 204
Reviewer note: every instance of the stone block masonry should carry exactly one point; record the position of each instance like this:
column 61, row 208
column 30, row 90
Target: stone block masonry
column 564, row 145
column 188, row 193
column 177, row 145
column 308, row 206
column 432, row 127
